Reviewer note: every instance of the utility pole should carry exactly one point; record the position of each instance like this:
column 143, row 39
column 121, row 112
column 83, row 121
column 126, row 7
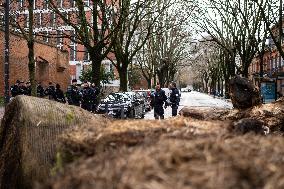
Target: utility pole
column 6, row 52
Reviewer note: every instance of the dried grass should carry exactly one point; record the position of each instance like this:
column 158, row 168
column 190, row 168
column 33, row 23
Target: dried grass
column 183, row 162
column 29, row 135
column 88, row 140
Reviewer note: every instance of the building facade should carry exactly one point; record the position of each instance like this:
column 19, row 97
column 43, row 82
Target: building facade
column 48, row 24
column 273, row 65
column 50, row 67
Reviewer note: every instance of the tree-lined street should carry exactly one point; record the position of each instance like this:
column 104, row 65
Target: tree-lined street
column 195, row 99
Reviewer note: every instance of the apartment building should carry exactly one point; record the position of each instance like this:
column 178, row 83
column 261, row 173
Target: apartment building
column 48, row 24
column 273, row 65
column 51, row 66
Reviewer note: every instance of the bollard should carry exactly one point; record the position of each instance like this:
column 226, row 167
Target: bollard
column 122, row 112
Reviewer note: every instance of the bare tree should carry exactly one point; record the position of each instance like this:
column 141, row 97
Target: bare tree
column 272, row 15
column 135, row 26
column 168, row 45
column 27, row 32
column 92, row 25
column 235, row 27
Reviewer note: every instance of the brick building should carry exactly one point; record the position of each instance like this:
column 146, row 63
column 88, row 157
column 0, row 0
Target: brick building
column 47, row 23
column 51, row 63
column 273, row 65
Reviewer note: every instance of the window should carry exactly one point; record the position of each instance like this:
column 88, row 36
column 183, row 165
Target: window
column 52, row 19
column 37, row 19
column 45, row 4
column 21, row 3
column 73, row 52
column 59, row 40
column 71, row 3
column 86, row 54
column 73, row 47
column 35, row 4
column 59, row 3
column 2, row 20
column 45, row 37
column 87, row 3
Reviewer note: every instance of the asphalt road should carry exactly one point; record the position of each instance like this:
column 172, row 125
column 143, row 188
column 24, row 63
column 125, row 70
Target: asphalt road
column 194, row 99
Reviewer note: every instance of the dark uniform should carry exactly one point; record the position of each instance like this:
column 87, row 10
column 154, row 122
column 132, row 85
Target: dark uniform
column 59, row 95
column 15, row 90
column 50, row 92
column 40, row 91
column 158, row 98
column 73, row 95
column 88, row 97
column 29, row 90
column 174, row 99
column 23, row 90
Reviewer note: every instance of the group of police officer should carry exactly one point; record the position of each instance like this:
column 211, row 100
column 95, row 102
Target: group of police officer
column 85, row 96
column 159, row 100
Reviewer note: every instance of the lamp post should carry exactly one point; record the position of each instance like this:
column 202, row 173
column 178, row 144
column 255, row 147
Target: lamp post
column 6, row 52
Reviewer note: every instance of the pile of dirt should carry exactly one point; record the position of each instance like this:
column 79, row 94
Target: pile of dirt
column 206, row 161
column 29, row 136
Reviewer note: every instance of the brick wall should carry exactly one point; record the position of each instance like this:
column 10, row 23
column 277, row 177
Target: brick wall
column 52, row 64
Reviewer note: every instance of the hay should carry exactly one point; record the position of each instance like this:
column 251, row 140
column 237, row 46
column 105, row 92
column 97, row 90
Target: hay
column 28, row 138
column 204, row 113
column 271, row 114
column 207, row 162
column 181, row 153
column 88, row 140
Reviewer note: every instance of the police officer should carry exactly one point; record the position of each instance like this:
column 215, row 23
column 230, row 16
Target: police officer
column 29, row 89
column 158, row 98
column 40, row 90
column 174, row 98
column 88, row 96
column 23, row 89
column 50, row 91
column 15, row 89
column 73, row 94
column 59, row 95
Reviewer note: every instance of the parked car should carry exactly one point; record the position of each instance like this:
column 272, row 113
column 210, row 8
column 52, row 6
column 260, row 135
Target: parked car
column 147, row 98
column 185, row 90
column 138, row 102
column 120, row 105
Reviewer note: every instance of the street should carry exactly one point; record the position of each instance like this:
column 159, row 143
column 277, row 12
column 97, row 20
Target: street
column 194, row 99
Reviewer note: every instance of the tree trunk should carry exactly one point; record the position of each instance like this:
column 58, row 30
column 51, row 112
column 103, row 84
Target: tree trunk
column 96, row 68
column 123, row 78
column 218, row 85
column 149, row 83
column 31, row 57
column 32, row 66
column 222, row 87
